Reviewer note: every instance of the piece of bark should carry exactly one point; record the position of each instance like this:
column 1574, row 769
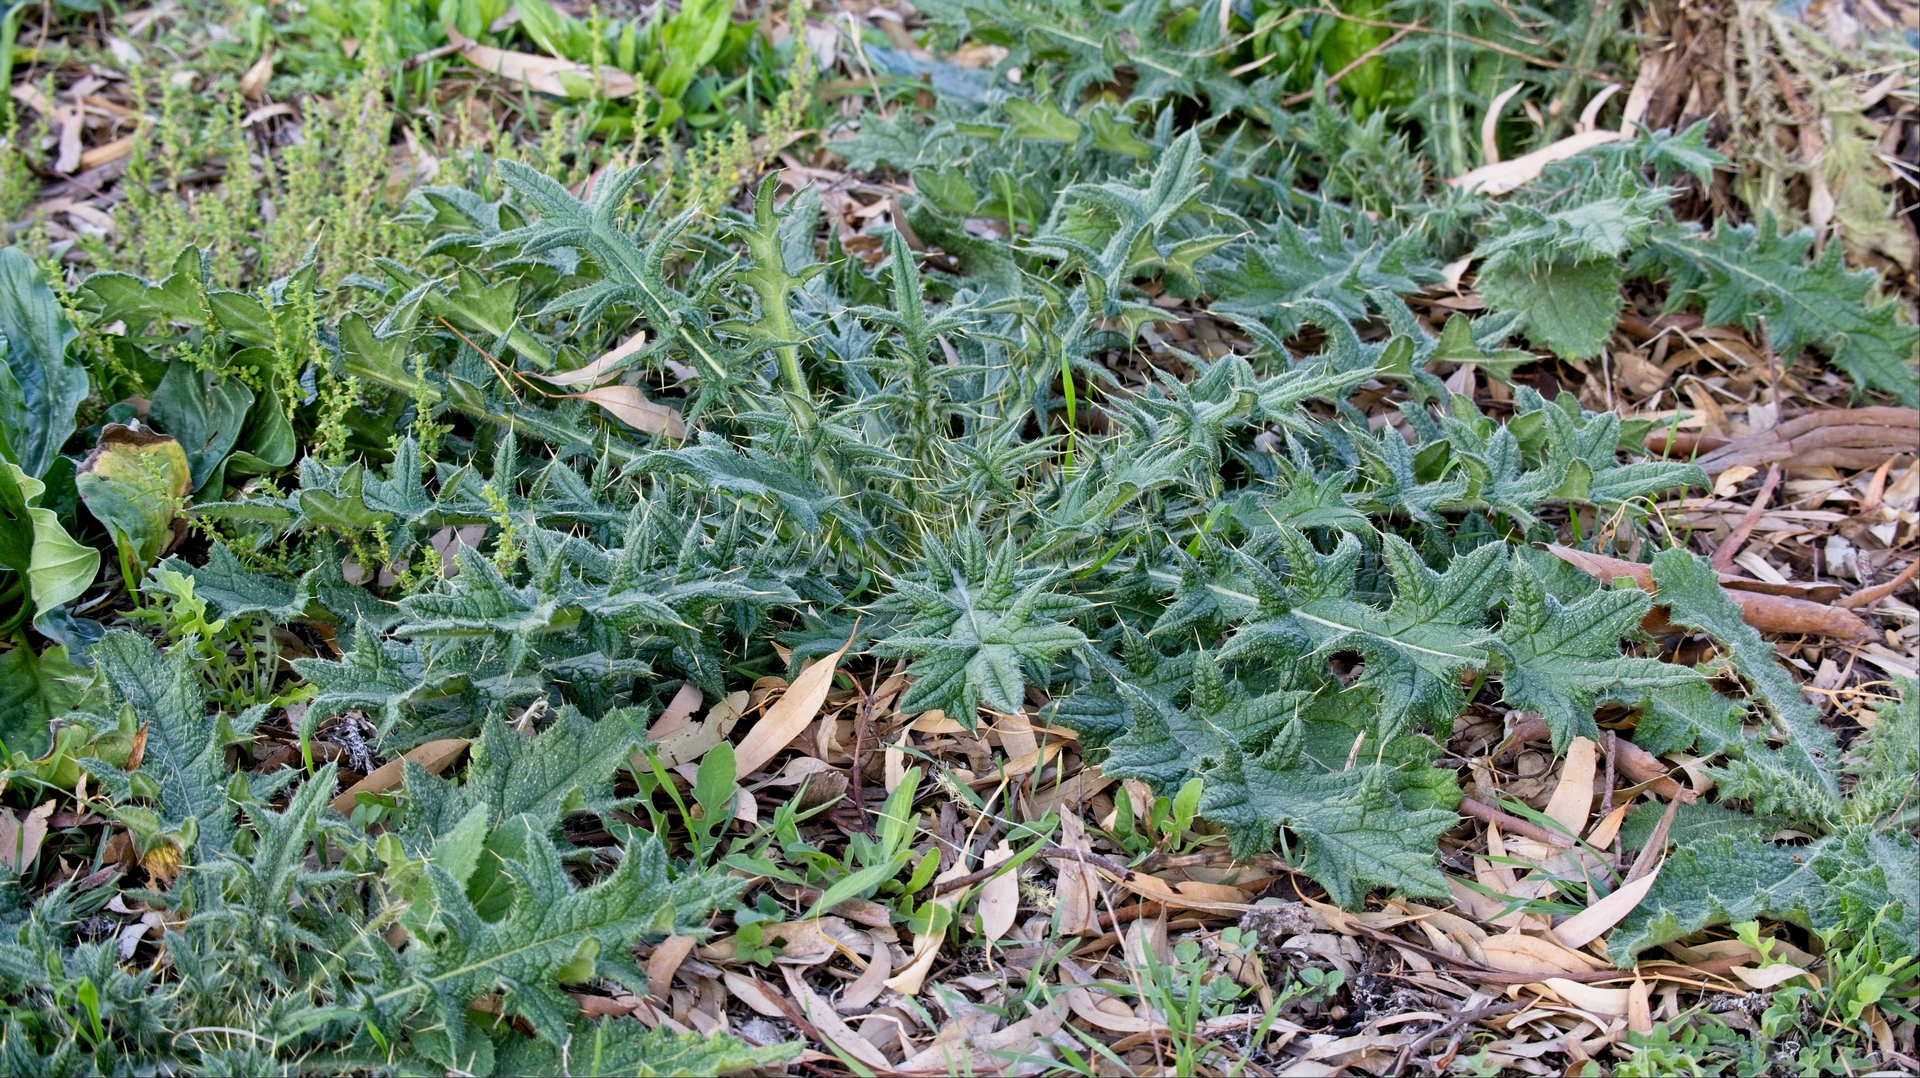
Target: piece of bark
column 1684, row 443
column 1839, row 438
column 1629, row 759
column 1765, row 611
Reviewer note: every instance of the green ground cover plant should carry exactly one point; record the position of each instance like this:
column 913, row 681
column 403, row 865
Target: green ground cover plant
column 513, row 456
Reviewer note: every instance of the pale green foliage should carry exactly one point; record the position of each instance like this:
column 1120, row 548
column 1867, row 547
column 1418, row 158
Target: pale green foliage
column 980, row 626
column 1563, row 268
column 1262, row 570
column 1742, row 273
column 1691, row 592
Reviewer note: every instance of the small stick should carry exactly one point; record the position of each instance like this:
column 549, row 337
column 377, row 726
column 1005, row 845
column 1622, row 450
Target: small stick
column 1054, row 853
column 1723, row 558
column 1869, row 596
column 1606, row 799
column 1305, row 96
column 1513, row 824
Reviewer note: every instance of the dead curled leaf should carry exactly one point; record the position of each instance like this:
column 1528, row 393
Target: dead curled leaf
column 592, row 373
column 435, row 756
column 788, row 716
column 544, row 74
column 1589, row 924
column 999, row 896
column 630, row 406
column 1767, row 613
column 830, row 1025
column 21, row 835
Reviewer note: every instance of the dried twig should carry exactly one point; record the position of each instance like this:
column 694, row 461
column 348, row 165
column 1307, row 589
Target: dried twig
column 1512, row 824
column 1723, row 558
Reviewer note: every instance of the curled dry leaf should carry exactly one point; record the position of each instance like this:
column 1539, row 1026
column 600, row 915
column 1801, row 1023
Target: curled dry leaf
column 755, row 994
column 630, row 406
column 1639, row 1008
column 545, row 74
column 999, row 897
column 1589, row 924
column 665, row 962
column 253, row 84
column 830, row 1025
column 1610, row 1002
column 1766, row 977
column 788, row 716
column 1076, row 886
column 1517, row 953
column 592, row 373
column 872, row 981
column 21, row 835
column 1188, row 894
column 1572, row 799
column 435, row 756
column 1503, row 176
column 926, row 946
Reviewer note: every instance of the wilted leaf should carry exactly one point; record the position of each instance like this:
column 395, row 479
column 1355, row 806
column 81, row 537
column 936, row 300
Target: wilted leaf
column 630, row 406
column 135, row 482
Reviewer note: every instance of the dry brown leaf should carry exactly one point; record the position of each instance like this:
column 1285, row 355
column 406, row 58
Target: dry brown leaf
column 592, row 372
column 1102, row 1010
column 872, row 981
column 1352, row 1051
column 936, row 722
column 926, row 946
column 999, row 897
column 1504, row 176
column 1611, row 1002
column 679, row 712
column 1156, row 889
column 110, row 151
column 1766, row 977
column 1594, row 921
column 1639, row 1008
column 1478, row 906
column 754, row 993
column 1489, row 125
column 665, row 962
column 1516, row 953
column 267, row 112
column 1076, row 887
column 789, row 715
column 434, row 756
column 72, row 123
column 682, row 743
column 1073, row 793
column 253, row 84
column 1603, row 832
column 21, row 836
column 561, row 78
column 985, row 1053
column 895, row 765
column 1572, row 799
column 630, row 406
column 1016, row 736
column 816, row 940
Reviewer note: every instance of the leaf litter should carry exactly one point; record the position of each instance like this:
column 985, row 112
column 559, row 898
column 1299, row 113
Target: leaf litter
column 1473, row 834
